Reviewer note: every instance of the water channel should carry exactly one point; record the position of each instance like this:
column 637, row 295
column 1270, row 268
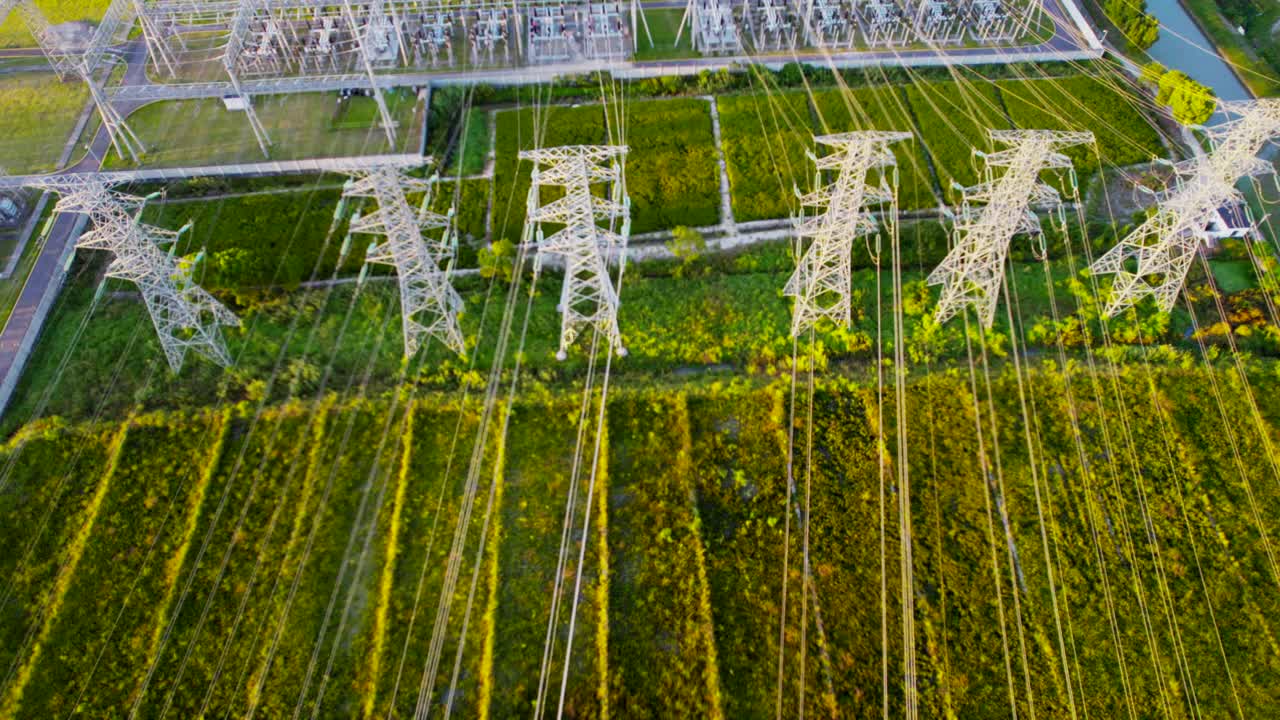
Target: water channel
column 1182, row 46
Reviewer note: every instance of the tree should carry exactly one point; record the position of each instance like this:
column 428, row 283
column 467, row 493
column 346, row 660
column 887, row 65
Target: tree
column 1190, row 102
column 687, row 245
column 497, row 260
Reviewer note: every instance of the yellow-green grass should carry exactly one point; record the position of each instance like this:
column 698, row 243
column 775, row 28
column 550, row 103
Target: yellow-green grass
column 202, row 132
column 37, row 114
column 13, row 32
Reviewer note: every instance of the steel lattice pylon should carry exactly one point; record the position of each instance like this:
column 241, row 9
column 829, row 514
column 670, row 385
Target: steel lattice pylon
column 588, row 298
column 822, row 279
column 186, row 317
column 429, row 304
column 1153, row 260
column 972, row 273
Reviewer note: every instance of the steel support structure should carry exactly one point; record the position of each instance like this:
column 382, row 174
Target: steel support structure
column 1153, row 260
column 429, row 305
column 822, row 282
column 589, row 297
column 186, row 317
column 994, row 211
column 82, row 62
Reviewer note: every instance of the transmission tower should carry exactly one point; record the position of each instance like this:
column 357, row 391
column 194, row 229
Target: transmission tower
column 81, row 62
column 186, row 317
column 1154, row 258
column 973, row 271
column 429, row 305
column 588, row 298
column 822, row 280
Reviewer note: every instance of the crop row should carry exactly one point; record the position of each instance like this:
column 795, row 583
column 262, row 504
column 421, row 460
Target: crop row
column 1080, row 543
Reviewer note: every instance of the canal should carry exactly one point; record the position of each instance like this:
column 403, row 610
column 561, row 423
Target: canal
column 1182, row 46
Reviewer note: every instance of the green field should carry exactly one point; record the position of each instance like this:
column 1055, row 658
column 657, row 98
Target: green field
column 13, row 33
column 37, row 114
column 659, row 41
column 680, row 610
column 1124, row 136
column 764, row 138
column 183, row 133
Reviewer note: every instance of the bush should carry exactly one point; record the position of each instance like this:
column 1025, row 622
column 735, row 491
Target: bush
column 1138, row 28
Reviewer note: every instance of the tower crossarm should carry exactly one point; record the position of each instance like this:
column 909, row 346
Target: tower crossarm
column 856, row 167
column 429, row 305
column 1153, row 260
column 972, row 273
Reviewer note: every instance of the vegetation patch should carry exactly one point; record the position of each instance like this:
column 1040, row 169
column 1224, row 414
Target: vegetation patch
column 37, row 114
column 662, row 654
column 672, row 173
column 231, row 572
column 954, row 121
column 765, row 138
column 128, row 569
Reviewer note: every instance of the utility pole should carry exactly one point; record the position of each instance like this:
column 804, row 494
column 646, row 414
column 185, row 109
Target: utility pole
column 1154, row 259
column 823, row 278
column 429, row 305
column 186, row 317
column 588, row 298
column 973, row 272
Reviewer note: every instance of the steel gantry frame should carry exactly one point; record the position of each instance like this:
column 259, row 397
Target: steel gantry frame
column 588, row 297
column 429, row 305
column 185, row 316
column 973, row 271
column 822, row 281
column 1154, row 259
column 83, row 61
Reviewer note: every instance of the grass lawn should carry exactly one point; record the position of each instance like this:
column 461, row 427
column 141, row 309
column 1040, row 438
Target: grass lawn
column 1233, row 276
column 663, row 24
column 672, row 176
column 13, row 32
column 469, row 155
column 37, row 114
column 202, row 132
